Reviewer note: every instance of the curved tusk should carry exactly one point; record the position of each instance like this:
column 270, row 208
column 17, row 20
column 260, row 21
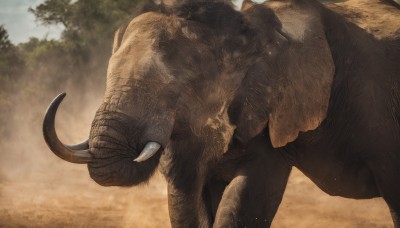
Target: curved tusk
column 148, row 151
column 81, row 146
column 72, row 153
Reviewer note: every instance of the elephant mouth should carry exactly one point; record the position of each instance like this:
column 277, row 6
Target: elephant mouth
column 120, row 170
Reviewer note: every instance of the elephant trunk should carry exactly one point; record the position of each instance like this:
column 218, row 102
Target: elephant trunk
column 124, row 153
column 113, row 164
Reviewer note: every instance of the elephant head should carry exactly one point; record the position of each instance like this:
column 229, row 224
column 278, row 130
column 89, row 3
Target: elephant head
column 184, row 83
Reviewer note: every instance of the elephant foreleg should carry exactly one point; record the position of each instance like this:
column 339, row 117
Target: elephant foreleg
column 187, row 209
column 253, row 196
column 395, row 217
column 213, row 194
column 386, row 170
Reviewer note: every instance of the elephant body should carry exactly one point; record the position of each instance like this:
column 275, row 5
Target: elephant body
column 226, row 102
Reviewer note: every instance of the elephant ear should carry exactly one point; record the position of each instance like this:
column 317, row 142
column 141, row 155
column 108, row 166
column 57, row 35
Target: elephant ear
column 246, row 4
column 143, row 7
column 289, row 90
column 119, row 34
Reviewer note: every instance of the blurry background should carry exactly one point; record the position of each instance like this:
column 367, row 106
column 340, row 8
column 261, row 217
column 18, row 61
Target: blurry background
column 51, row 46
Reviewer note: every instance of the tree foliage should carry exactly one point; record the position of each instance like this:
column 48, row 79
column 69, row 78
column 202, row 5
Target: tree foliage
column 11, row 65
column 4, row 40
column 81, row 53
column 89, row 24
column 10, row 59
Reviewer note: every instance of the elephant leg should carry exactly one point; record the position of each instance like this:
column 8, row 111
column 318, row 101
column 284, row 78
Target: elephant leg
column 187, row 208
column 391, row 194
column 395, row 217
column 253, row 196
column 213, row 194
column 387, row 177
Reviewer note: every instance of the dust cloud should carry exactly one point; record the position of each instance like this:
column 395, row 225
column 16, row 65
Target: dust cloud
column 37, row 189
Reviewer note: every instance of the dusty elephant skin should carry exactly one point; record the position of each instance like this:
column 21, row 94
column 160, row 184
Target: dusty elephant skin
column 226, row 102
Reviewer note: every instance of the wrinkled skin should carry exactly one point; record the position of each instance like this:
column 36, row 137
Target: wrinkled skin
column 236, row 99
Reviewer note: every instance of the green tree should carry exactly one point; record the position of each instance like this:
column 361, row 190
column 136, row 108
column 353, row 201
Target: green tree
column 4, row 40
column 89, row 24
column 11, row 62
column 78, row 60
column 11, row 66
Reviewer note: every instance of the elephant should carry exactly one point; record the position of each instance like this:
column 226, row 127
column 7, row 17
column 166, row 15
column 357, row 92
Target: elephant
column 225, row 103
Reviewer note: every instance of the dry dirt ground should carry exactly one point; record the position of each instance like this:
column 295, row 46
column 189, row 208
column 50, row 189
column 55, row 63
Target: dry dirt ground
column 39, row 190
column 72, row 200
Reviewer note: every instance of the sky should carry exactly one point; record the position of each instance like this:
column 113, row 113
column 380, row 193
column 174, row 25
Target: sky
column 21, row 24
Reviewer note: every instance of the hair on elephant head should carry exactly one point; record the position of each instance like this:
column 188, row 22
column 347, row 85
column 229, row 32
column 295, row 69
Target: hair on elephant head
column 184, row 82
